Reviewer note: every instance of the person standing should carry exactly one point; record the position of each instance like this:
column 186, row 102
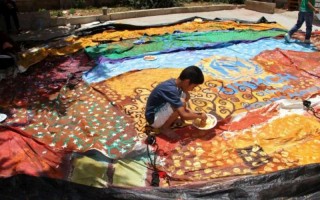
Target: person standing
column 9, row 53
column 10, row 10
column 306, row 9
column 2, row 26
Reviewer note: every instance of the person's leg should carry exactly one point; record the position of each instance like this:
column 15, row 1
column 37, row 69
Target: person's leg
column 301, row 19
column 7, row 21
column 166, row 127
column 7, row 66
column 309, row 20
column 174, row 118
column 15, row 20
column 164, row 119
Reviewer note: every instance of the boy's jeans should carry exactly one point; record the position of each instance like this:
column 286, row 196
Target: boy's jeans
column 303, row 16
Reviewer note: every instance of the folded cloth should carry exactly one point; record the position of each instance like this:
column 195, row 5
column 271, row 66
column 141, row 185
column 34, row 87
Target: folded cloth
column 3, row 117
column 88, row 171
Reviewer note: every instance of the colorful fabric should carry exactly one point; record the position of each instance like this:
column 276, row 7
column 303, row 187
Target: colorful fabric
column 196, row 25
column 254, row 150
column 53, row 107
column 255, row 86
column 44, row 81
column 106, row 68
column 206, row 155
column 20, row 154
column 134, row 171
column 74, row 44
column 88, row 171
column 177, row 42
column 81, row 120
column 255, row 89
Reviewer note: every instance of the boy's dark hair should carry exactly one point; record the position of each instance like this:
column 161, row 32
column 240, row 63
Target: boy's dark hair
column 193, row 73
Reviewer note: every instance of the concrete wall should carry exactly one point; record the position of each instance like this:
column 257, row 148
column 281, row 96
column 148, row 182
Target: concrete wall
column 264, row 7
column 167, row 11
column 34, row 20
column 42, row 20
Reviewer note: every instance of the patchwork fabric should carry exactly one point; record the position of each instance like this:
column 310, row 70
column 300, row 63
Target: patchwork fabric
column 21, row 155
column 190, row 26
column 74, row 44
column 253, row 156
column 242, row 51
column 44, row 81
column 88, row 171
column 177, row 42
column 191, row 159
column 82, row 120
column 254, row 85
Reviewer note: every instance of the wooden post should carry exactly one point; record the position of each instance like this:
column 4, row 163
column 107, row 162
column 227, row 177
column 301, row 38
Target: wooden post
column 105, row 10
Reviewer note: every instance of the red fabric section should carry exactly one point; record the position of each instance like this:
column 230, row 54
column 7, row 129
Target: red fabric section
column 43, row 80
column 22, row 155
column 285, row 61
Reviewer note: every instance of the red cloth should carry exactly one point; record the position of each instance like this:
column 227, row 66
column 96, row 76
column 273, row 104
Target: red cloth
column 23, row 155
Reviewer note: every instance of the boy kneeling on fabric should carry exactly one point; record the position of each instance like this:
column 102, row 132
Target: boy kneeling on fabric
column 168, row 101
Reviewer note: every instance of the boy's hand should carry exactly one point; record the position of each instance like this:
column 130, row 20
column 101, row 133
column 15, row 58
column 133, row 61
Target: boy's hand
column 316, row 10
column 203, row 118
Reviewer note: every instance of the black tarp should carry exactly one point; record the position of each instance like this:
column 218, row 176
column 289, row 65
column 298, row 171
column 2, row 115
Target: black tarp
column 98, row 28
column 297, row 183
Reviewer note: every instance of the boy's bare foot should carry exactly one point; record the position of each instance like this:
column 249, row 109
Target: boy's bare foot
column 170, row 133
column 178, row 123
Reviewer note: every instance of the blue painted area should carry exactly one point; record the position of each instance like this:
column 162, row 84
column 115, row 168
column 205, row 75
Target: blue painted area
column 227, row 66
column 186, row 58
column 270, row 79
column 304, row 92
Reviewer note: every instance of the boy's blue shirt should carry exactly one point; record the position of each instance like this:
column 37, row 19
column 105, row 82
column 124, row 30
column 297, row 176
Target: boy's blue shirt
column 165, row 92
